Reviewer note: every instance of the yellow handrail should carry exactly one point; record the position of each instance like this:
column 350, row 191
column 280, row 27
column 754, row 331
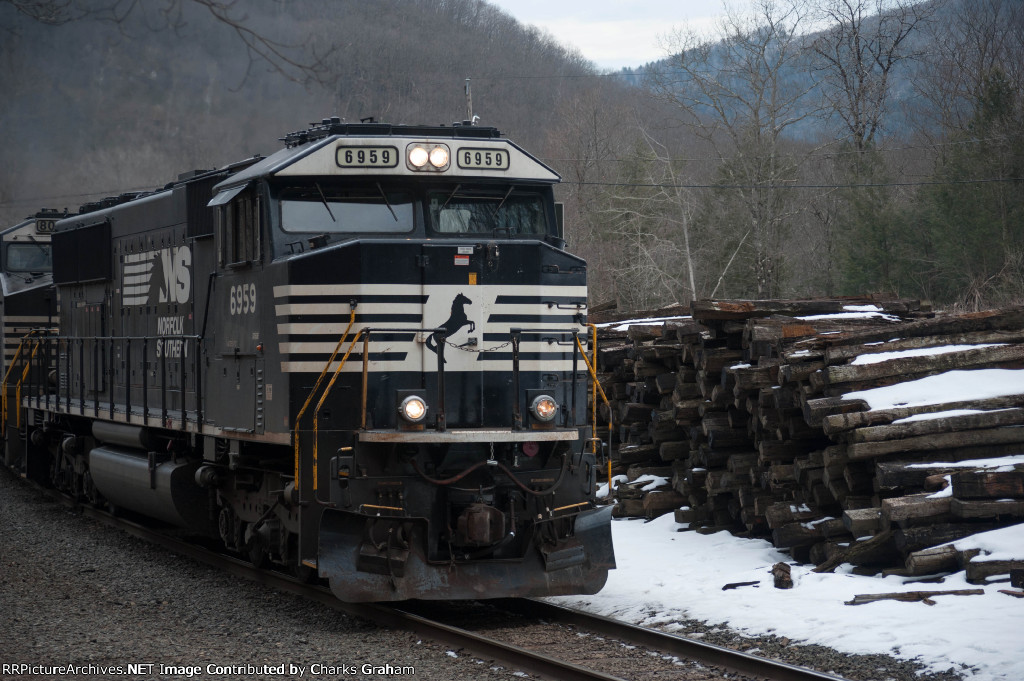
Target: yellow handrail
column 591, row 367
column 316, row 386
column 24, row 375
column 3, row 384
column 593, row 403
column 323, row 398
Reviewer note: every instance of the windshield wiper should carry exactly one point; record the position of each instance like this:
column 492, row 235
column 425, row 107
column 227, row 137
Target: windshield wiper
column 386, row 202
column 38, row 244
column 450, row 197
column 505, row 198
column 324, row 199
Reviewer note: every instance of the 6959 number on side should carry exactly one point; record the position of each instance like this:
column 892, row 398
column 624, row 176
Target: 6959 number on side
column 492, row 159
column 366, row 157
column 242, row 299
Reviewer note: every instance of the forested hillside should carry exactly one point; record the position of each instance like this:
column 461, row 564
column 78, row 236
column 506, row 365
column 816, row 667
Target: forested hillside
column 106, row 101
column 853, row 146
column 807, row 148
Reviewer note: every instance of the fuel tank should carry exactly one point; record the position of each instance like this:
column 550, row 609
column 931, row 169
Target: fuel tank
column 161, row 489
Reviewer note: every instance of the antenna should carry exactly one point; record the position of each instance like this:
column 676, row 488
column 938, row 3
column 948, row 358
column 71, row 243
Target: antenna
column 469, row 102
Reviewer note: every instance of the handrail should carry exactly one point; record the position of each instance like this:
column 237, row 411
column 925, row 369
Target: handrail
column 593, row 336
column 592, row 368
column 323, row 398
column 188, row 341
column 316, row 386
column 440, row 370
column 3, row 384
column 24, row 374
column 7, row 375
column 593, row 403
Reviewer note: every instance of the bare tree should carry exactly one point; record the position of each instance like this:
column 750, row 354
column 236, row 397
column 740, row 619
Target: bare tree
column 585, row 144
column 976, row 39
column 855, row 60
column 855, row 57
column 743, row 94
column 291, row 61
column 652, row 221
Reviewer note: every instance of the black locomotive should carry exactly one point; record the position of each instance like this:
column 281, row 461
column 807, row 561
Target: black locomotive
column 362, row 357
column 28, row 307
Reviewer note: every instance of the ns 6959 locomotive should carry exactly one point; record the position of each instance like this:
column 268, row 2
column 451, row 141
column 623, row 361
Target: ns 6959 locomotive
column 363, row 358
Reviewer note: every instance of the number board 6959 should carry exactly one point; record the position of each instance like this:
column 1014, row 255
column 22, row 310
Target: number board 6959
column 482, row 159
column 366, row 157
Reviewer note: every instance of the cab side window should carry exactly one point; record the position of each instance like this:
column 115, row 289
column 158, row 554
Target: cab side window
column 238, row 230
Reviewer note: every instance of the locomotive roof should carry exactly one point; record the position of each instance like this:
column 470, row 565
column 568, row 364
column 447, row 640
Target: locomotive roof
column 44, row 214
column 314, row 153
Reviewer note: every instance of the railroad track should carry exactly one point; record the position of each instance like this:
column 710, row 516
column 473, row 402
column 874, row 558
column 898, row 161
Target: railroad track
column 420, row 617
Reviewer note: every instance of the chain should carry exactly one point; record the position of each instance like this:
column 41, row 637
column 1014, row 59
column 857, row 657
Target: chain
column 494, row 349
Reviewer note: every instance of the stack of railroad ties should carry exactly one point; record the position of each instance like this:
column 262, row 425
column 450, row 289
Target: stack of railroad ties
column 861, row 431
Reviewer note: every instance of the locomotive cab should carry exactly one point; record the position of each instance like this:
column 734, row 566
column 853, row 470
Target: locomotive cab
column 28, row 309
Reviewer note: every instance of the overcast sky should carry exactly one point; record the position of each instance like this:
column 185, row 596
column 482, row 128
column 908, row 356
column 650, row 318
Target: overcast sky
column 614, row 33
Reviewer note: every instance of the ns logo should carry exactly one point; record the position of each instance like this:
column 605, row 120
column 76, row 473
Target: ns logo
column 174, row 274
column 160, row 276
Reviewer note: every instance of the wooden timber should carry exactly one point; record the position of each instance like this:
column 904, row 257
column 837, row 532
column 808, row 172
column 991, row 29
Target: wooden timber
column 844, row 353
column 947, row 424
column 913, row 596
column 988, row 484
column 852, row 373
column 937, row 441
column 838, row 422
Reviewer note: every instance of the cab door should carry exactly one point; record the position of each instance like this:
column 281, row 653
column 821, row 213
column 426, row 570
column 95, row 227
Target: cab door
column 235, row 382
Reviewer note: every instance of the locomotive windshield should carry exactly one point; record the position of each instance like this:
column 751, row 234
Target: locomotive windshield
column 29, row 257
column 502, row 213
column 323, row 208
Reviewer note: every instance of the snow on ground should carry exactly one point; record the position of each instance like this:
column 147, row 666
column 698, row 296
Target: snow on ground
column 1002, row 464
column 851, row 315
column 665, row 575
column 933, row 415
column 624, row 326
column 960, row 385
column 1006, row 543
column 878, row 357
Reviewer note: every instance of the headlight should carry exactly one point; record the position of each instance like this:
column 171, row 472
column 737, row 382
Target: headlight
column 429, row 157
column 544, row 408
column 413, row 409
column 439, row 157
column 418, row 157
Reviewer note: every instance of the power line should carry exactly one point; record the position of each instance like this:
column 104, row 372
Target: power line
column 794, row 185
column 562, row 76
column 807, row 157
column 654, row 185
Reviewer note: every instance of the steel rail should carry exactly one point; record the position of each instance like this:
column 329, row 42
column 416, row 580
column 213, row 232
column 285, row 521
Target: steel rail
column 514, row 657
column 680, row 646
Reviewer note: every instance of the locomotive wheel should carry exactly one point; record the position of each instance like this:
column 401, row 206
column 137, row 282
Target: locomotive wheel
column 301, row 572
column 256, row 549
column 304, row 573
column 230, row 529
column 90, row 491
